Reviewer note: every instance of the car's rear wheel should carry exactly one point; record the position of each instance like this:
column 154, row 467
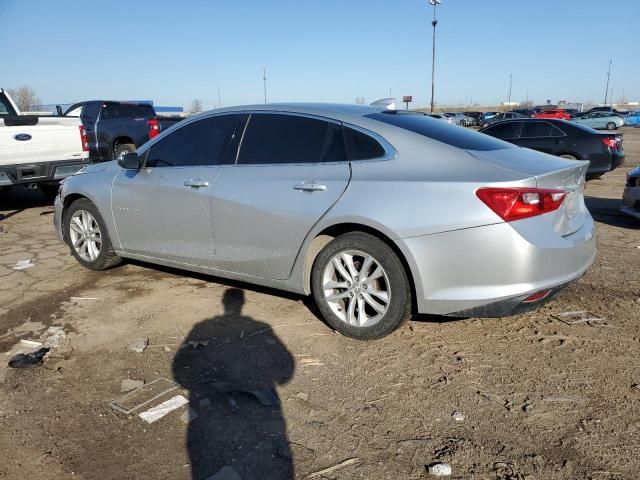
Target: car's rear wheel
column 611, row 126
column 361, row 287
column 87, row 236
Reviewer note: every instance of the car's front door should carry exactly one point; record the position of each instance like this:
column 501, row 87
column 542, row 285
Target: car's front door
column 290, row 170
column 164, row 210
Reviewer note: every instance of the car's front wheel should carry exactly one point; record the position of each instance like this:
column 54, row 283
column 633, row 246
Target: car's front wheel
column 361, row 287
column 611, row 126
column 86, row 234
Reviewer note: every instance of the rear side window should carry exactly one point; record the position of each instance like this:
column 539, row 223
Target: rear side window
column 442, row 131
column 90, row 113
column 508, row 130
column 362, row 146
column 200, row 143
column 126, row 110
column 280, row 138
column 5, row 107
column 536, row 130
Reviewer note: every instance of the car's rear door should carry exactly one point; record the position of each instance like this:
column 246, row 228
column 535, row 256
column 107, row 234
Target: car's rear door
column 537, row 136
column 289, row 170
column 164, row 210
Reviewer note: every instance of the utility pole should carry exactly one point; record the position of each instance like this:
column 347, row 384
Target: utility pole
column 606, row 92
column 509, row 97
column 264, row 80
column 435, row 3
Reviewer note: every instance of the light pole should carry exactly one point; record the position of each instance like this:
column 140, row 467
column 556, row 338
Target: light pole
column 509, row 96
column 264, row 81
column 435, row 3
column 606, row 92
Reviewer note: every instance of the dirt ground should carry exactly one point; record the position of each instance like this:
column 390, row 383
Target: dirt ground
column 541, row 398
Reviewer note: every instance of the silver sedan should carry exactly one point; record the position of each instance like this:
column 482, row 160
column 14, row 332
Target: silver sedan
column 376, row 214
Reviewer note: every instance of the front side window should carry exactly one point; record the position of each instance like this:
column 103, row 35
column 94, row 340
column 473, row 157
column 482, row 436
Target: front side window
column 201, row 143
column 281, row 138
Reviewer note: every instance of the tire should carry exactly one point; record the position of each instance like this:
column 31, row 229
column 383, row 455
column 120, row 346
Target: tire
column 568, row 157
column 379, row 317
column 594, row 176
column 611, row 126
column 123, row 149
column 49, row 190
column 106, row 256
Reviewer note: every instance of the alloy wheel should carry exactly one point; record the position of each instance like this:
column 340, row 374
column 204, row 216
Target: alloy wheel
column 85, row 236
column 356, row 288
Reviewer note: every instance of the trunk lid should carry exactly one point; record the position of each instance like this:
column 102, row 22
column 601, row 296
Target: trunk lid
column 550, row 173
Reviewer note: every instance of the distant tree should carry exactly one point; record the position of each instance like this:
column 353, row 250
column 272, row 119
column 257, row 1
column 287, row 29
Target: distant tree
column 360, row 100
column 196, row 106
column 25, row 97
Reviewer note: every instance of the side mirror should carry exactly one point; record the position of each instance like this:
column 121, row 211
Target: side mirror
column 130, row 161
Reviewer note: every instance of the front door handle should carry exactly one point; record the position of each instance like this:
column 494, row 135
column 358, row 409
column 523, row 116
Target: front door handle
column 196, row 183
column 310, row 187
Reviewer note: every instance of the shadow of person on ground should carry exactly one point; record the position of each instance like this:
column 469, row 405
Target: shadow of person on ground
column 235, row 428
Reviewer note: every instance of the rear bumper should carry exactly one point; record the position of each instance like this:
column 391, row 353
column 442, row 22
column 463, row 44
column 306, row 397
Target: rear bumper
column 40, row 172
column 605, row 162
column 490, row 270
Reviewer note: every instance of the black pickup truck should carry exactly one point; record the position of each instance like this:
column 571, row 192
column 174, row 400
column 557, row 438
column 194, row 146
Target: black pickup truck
column 116, row 128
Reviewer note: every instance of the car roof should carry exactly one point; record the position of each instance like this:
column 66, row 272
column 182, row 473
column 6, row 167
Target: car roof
column 321, row 109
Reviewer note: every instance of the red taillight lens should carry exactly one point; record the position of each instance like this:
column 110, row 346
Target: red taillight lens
column 610, row 142
column 83, row 139
column 517, row 203
column 154, row 127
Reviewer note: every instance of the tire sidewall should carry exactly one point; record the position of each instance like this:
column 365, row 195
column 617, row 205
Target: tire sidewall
column 123, row 148
column 399, row 309
column 84, row 204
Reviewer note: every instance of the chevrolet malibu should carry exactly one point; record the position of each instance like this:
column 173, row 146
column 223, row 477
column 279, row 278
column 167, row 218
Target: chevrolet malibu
column 375, row 214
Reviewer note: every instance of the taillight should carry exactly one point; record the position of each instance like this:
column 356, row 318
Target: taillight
column 83, row 139
column 154, row 127
column 610, row 142
column 517, row 203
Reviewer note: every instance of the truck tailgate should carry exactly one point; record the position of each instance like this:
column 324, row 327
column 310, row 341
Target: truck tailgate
column 50, row 139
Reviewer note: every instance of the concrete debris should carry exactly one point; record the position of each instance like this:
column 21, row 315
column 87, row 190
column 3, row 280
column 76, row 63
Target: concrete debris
column 55, row 338
column 128, row 384
column 31, row 343
column 188, row 415
column 345, row 463
column 23, row 264
column 302, row 396
column 439, row 469
column 156, row 413
column 458, row 416
column 225, row 473
column 581, row 317
column 144, row 395
column 139, row 345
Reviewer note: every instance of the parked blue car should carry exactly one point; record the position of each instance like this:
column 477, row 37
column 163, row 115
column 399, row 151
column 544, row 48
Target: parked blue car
column 633, row 119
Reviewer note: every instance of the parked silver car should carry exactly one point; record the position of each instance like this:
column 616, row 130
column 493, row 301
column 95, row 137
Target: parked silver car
column 631, row 195
column 376, row 214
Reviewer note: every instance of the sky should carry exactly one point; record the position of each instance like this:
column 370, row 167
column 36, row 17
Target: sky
column 319, row 50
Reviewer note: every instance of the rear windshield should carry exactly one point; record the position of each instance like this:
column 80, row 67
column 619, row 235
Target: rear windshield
column 441, row 131
column 5, row 106
column 126, row 110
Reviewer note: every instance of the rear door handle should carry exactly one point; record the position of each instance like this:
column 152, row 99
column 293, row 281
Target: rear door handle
column 310, row 187
column 196, row 183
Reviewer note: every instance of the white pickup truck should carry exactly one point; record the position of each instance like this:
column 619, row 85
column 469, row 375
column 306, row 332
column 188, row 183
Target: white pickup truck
column 38, row 151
